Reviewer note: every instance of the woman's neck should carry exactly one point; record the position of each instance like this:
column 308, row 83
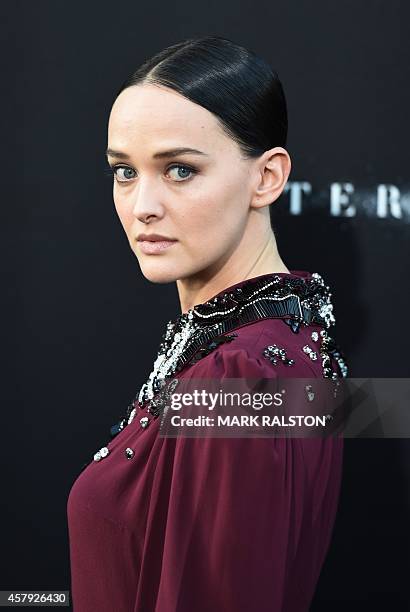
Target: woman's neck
column 201, row 287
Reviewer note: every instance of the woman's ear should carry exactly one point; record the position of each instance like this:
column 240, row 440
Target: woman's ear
column 272, row 170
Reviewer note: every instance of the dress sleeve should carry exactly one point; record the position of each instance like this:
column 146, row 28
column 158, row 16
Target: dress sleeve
column 249, row 519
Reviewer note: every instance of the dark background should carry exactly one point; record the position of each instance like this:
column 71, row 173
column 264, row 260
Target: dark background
column 77, row 310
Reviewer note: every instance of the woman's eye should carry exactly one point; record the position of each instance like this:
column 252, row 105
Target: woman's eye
column 122, row 173
column 182, row 171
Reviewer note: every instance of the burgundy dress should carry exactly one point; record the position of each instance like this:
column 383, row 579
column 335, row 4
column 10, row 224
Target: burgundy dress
column 161, row 524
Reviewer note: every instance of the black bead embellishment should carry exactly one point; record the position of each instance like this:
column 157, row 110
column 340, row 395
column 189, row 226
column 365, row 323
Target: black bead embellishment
column 162, row 400
column 294, row 325
column 211, row 346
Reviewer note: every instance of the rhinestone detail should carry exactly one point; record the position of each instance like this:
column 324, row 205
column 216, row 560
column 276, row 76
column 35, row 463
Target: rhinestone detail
column 329, row 349
column 103, row 452
column 144, row 421
column 129, row 453
column 309, row 351
column 275, row 352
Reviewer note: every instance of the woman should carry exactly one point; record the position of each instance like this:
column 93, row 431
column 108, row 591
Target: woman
column 196, row 143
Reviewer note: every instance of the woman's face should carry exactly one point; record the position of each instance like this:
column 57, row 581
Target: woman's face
column 200, row 200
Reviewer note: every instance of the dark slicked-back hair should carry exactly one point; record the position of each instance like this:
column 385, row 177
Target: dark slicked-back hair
column 239, row 88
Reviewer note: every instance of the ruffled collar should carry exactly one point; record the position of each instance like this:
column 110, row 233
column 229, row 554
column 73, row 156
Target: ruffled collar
column 252, row 298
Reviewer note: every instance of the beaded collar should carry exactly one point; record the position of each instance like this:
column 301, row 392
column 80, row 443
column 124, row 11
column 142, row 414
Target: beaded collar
column 298, row 298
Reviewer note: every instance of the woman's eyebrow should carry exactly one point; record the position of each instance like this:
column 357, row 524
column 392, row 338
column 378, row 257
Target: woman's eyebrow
column 160, row 154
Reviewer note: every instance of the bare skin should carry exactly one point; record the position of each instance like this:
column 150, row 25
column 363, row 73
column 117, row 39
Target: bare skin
column 219, row 214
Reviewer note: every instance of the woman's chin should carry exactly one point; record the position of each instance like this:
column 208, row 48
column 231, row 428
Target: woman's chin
column 158, row 272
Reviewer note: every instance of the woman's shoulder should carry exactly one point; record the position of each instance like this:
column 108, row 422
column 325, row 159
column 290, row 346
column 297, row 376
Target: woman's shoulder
column 265, row 348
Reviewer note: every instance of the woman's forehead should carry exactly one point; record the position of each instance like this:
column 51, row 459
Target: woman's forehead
column 160, row 118
column 150, row 105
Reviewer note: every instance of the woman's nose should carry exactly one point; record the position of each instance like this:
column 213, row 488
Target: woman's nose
column 147, row 203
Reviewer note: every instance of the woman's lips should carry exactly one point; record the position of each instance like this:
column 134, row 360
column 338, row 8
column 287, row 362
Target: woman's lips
column 155, row 246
